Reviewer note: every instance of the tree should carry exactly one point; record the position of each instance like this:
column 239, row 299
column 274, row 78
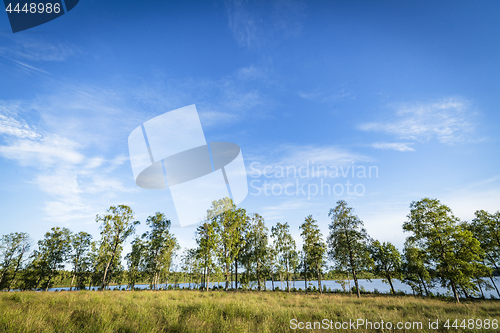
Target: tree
column 486, row 229
column 135, row 262
column 53, row 251
column 13, row 248
column 453, row 251
column 117, row 226
column 414, row 267
column 348, row 241
column 271, row 263
column 189, row 264
column 255, row 251
column 314, row 248
column 160, row 245
column 387, row 261
column 285, row 247
column 207, row 240
column 227, row 221
column 241, row 230
column 80, row 245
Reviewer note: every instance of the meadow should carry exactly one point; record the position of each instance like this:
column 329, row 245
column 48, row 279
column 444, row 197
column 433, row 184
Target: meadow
column 242, row 311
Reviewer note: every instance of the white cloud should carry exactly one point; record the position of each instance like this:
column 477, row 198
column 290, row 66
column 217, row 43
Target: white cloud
column 255, row 23
column 17, row 128
column 75, row 183
column 219, row 102
column 393, row 146
column 329, row 155
column 448, row 120
column 326, row 97
column 37, row 49
column 307, row 156
column 48, row 150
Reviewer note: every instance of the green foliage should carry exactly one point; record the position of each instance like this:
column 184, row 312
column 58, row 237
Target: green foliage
column 285, row 248
column 80, row 246
column 13, row 249
column 255, row 250
column 314, row 248
column 117, row 226
column 348, row 241
column 415, row 268
column 53, row 251
column 159, row 248
column 453, row 253
column 387, row 261
column 227, row 221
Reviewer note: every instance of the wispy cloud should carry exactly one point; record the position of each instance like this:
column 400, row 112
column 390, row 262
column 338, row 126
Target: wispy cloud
column 307, row 155
column 449, row 120
column 11, row 126
column 37, row 50
column 326, row 97
column 63, row 171
column 393, row 146
column 254, row 24
column 228, row 99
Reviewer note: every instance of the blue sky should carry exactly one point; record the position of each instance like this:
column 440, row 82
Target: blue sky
column 410, row 88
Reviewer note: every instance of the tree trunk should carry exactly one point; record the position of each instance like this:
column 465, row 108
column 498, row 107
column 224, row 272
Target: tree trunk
column 258, row 275
column 204, row 279
column 390, row 283
column 423, row 283
column 454, row 290
column 48, row 282
column 236, row 273
column 287, row 276
column 15, row 271
column 356, row 282
column 319, row 279
column 305, row 275
column 479, row 285
column 493, row 281
column 208, row 278
column 349, row 280
column 72, row 280
column 106, row 273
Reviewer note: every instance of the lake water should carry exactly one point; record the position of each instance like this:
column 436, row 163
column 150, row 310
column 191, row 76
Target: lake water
column 374, row 284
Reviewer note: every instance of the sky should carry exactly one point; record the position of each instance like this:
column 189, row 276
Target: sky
column 406, row 90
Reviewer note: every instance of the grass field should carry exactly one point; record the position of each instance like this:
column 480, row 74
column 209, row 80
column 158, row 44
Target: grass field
column 195, row 311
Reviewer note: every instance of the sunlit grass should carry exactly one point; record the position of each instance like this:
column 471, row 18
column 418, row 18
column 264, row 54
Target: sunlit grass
column 195, row 311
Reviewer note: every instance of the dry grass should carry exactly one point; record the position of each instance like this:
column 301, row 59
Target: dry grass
column 194, row 311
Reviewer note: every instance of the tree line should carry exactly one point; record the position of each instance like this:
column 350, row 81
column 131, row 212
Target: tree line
column 240, row 250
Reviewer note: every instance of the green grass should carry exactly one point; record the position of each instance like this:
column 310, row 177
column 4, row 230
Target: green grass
column 195, row 311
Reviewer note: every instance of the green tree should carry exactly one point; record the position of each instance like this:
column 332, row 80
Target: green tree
column 271, row 263
column 453, row 251
column 13, row 248
column 80, row 245
column 387, row 262
column 160, row 246
column 486, row 229
column 189, row 264
column 285, row 247
column 135, row 262
column 54, row 250
column 255, row 251
column 241, row 230
column 227, row 221
column 207, row 240
column 348, row 241
column 414, row 267
column 117, row 226
column 314, row 247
